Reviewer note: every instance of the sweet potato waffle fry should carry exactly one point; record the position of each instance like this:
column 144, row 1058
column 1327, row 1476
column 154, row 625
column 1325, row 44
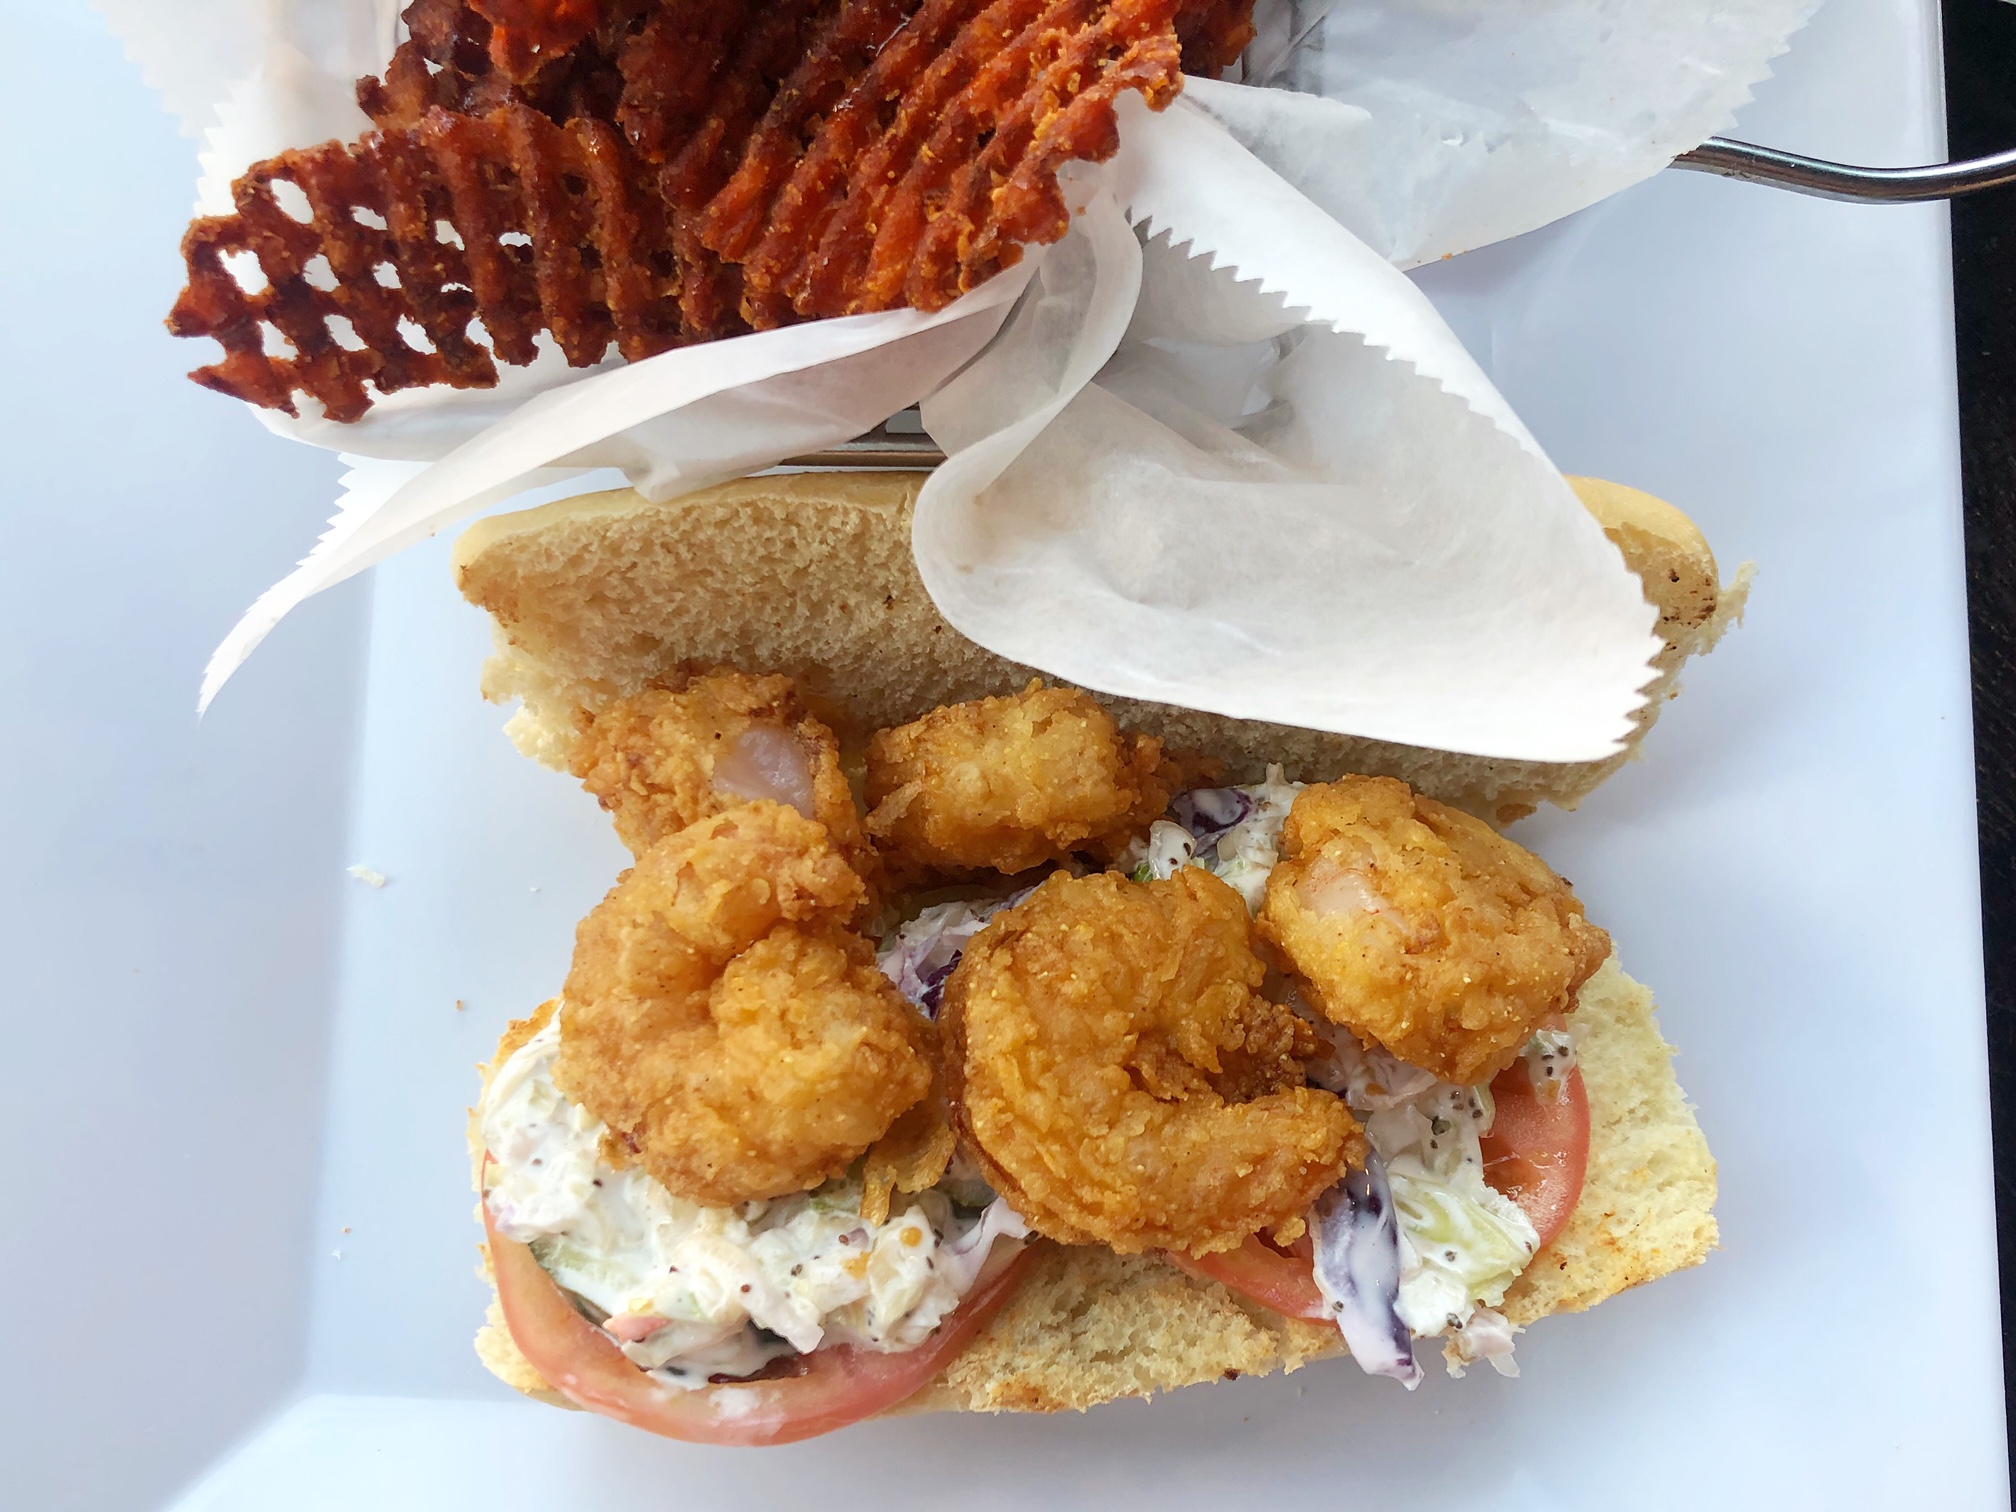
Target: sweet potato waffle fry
column 1213, row 34
column 639, row 174
column 411, row 238
column 448, row 62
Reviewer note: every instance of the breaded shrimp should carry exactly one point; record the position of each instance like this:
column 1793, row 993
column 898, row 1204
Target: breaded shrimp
column 1415, row 925
column 658, row 760
column 724, row 1022
column 1110, row 1058
column 1004, row 784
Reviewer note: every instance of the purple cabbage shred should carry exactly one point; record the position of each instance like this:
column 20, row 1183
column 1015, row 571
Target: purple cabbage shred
column 1357, row 1266
column 1209, row 812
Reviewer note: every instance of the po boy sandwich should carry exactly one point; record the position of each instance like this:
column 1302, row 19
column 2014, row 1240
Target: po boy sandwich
column 960, row 1042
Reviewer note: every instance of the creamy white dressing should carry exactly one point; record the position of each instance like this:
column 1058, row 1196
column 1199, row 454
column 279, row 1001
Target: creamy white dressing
column 1247, row 853
column 1549, row 1057
column 690, row 1291
column 1233, row 833
column 1462, row 1243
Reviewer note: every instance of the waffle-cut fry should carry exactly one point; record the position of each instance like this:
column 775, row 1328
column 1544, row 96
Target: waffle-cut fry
column 929, row 179
column 833, row 164
column 526, row 34
column 412, row 236
column 1029, row 205
column 669, row 68
column 443, row 64
column 1213, row 34
column 447, row 64
column 948, row 177
column 638, row 174
column 710, row 290
column 1065, row 113
column 847, row 44
column 774, row 41
column 828, row 273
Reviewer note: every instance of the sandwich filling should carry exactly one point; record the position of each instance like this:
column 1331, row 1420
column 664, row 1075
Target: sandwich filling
column 837, row 1047
column 695, row 1293
column 1442, row 1267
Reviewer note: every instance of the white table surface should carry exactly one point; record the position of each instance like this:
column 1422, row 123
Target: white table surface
column 242, row 1230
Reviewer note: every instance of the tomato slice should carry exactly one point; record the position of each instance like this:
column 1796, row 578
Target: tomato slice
column 1280, row 1279
column 837, row 1386
column 1537, row 1153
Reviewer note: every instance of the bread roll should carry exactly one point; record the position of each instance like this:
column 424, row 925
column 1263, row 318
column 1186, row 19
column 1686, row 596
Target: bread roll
column 811, row 574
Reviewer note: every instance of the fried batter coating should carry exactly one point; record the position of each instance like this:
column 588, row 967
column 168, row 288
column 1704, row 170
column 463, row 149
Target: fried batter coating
column 910, row 1158
column 735, row 1036
column 1004, row 784
column 659, row 760
column 1108, row 1054
column 1422, row 928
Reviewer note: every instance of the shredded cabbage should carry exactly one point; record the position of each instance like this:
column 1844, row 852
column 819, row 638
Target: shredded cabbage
column 1208, row 813
column 1247, row 852
column 1462, row 1243
column 1233, row 833
column 919, row 956
column 1357, row 1264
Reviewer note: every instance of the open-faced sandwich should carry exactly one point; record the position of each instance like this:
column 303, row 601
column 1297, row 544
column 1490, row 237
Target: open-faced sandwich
column 957, row 1041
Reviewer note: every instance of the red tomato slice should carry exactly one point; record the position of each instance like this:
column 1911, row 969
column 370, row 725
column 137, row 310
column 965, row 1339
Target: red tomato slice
column 1274, row 1278
column 837, row 1386
column 1537, row 1153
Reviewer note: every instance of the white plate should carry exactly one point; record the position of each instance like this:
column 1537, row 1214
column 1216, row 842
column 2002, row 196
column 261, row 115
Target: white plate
column 1792, row 869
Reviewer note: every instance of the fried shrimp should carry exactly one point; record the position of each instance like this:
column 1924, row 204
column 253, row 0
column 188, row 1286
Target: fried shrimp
column 1415, row 925
column 724, row 1022
column 1004, row 784
column 660, row 759
column 1110, row 1058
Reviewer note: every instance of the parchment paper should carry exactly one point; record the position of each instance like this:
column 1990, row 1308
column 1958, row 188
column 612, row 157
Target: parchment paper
column 1290, row 494
column 1430, row 129
column 1295, row 498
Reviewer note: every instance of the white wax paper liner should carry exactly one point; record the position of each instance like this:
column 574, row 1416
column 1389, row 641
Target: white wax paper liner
column 675, row 422
column 1380, row 548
